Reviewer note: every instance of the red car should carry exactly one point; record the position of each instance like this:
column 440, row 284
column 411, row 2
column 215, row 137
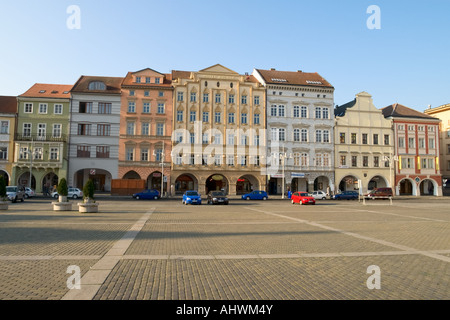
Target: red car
column 302, row 198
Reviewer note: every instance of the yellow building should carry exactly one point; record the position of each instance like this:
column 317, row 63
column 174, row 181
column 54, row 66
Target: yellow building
column 8, row 118
column 443, row 113
column 363, row 146
column 219, row 132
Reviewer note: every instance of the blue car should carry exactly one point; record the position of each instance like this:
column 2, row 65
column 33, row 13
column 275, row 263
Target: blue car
column 256, row 195
column 147, row 194
column 191, row 197
column 346, row 195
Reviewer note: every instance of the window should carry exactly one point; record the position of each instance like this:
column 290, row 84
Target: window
column 297, row 135
column 144, row 154
column 28, row 108
column 325, row 113
column 160, row 93
column 411, row 143
column 217, row 160
column 231, row 139
column 281, row 134
column 218, row 138
column 129, row 154
column 42, row 131
column 161, row 108
column 218, row 117
column 353, row 138
column 243, row 161
column 281, row 110
column 57, row 108
column 318, row 112
column 56, row 132
column 230, row 160
column 304, row 135
column 244, row 140
column 4, row 127
column 145, row 128
column 231, row 117
column 401, row 127
column 304, row 112
column 296, row 157
column 104, row 107
column 448, row 149
column 421, row 142
column 365, row 161
column 193, row 97
column 354, row 161
column 97, row 85
column 296, row 112
column 192, row 116
column 205, row 138
column 256, row 140
column 243, row 118
column 431, row 129
column 27, row 129
column 180, row 115
column 23, row 153
column 102, row 151
column 343, row 160
column 256, row 100
column 157, row 80
column 244, row 99
column 376, row 161
column 401, row 142
column 375, row 138
column 54, row 153
column 180, row 96
column 131, row 106
column 256, row 118
column 231, row 98
column 318, row 135
column 130, row 128
column 342, row 137
column 386, row 139
column 160, row 129
column 218, row 98
column 431, row 143
column 132, row 93
column 146, row 93
column 319, row 162
column 364, row 138
column 326, row 136
column 179, row 137
column 103, row 129
column 192, row 137
column 146, row 107
column 85, row 107
column 408, row 163
column 304, row 162
column 138, row 79
column 206, row 97
column 3, row 153
column 205, row 116
column 273, row 110
column 83, row 151
column 410, row 128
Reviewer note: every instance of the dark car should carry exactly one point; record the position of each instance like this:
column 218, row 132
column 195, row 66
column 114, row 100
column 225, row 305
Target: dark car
column 347, row 195
column 217, row 197
column 256, row 195
column 379, row 193
column 147, row 194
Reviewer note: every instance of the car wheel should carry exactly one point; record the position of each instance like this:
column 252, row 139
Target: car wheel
column 75, row 196
column 137, row 197
column 155, row 197
column 55, row 196
column 182, row 201
column 25, row 196
column 21, row 200
column 323, row 198
column 248, row 198
column 264, row 198
column 15, row 199
column 292, row 201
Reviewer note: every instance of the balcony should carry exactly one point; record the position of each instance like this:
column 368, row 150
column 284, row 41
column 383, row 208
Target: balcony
column 40, row 137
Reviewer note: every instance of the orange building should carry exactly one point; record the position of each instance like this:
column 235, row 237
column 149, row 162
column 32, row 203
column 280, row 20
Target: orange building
column 146, row 118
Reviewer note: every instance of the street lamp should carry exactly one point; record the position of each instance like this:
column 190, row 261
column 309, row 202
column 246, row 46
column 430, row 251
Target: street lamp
column 162, row 169
column 31, row 154
column 283, row 157
column 391, row 158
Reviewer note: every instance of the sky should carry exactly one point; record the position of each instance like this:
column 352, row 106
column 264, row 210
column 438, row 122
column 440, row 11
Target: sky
column 399, row 53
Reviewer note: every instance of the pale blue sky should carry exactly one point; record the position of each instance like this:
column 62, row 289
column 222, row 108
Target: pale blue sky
column 406, row 61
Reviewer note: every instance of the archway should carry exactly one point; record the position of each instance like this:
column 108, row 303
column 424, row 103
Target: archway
column 428, row 187
column 246, row 184
column 101, row 178
column 49, row 182
column 24, row 180
column 348, row 183
column 299, row 184
column 216, row 182
column 132, row 175
column 406, row 187
column 154, row 181
column 322, row 183
column 5, row 176
column 184, row 183
column 377, row 182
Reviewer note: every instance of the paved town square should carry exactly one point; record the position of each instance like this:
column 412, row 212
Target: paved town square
column 248, row 250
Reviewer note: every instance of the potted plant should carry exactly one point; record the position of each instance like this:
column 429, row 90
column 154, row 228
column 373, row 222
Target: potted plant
column 3, row 196
column 88, row 204
column 62, row 204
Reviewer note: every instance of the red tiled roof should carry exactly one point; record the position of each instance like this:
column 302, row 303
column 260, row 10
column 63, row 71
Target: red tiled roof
column 128, row 81
column 46, row 90
column 8, row 104
column 293, row 78
column 398, row 110
column 113, row 84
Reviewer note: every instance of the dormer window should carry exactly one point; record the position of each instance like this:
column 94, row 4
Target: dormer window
column 138, row 79
column 97, row 85
column 157, row 80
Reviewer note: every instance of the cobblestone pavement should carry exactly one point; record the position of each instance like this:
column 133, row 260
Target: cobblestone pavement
column 251, row 250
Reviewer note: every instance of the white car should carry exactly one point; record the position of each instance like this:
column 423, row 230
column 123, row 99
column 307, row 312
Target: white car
column 74, row 193
column 29, row 193
column 319, row 195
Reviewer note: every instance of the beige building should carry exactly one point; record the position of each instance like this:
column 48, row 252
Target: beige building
column 219, row 132
column 363, row 146
column 443, row 113
column 8, row 119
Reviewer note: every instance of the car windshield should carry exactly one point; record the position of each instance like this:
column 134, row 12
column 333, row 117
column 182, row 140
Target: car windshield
column 217, row 194
column 11, row 189
column 304, row 194
column 192, row 193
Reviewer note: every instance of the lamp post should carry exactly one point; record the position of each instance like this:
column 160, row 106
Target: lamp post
column 162, row 169
column 391, row 158
column 283, row 157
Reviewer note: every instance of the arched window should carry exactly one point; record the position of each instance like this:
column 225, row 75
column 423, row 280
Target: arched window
column 97, row 85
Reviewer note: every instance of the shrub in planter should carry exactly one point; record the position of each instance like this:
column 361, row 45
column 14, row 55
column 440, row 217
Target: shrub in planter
column 63, row 190
column 88, row 191
column 3, row 197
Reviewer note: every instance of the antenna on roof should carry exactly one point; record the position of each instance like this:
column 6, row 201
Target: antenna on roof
column 429, row 106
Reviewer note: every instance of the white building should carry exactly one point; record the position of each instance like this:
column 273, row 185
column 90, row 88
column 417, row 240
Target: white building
column 94, row 131
column 300, row 120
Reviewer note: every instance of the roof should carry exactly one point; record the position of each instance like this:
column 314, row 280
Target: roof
column 400, row 111
column 293, row 78
column 128, row 80
column 8, row 104
column 178, row 74
column 339, row 111
column 113, row 84
column 45, row 90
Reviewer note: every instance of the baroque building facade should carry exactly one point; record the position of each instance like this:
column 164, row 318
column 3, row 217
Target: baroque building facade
column 8, row 119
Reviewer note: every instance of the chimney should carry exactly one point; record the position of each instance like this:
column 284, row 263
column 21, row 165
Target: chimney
column 273, row 69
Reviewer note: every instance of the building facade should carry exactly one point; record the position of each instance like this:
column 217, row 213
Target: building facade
column 299, row 110
column 443, row 113
column 146, row 118
column 417, row 170
column 219, row 132
column 42, row 136
column 364, row 146
column 94, row 131
column 8, row 118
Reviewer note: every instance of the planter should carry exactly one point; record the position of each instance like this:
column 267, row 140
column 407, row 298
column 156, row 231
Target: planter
column 62, row 206
column 3, row 205
column 87, row 207
column 62, row 198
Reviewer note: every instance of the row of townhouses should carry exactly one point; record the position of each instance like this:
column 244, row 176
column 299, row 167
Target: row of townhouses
column 211, row 129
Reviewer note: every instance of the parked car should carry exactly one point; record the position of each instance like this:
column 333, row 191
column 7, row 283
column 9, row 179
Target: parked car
column 15, row 193
column 191, row 197
column 379, row 193
column 346, row 195
column 147, row 194
column 319, row 195
column 217, row 197
column 29, row 193
column 302, row 198
column 256, row 195
column 74, row 193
